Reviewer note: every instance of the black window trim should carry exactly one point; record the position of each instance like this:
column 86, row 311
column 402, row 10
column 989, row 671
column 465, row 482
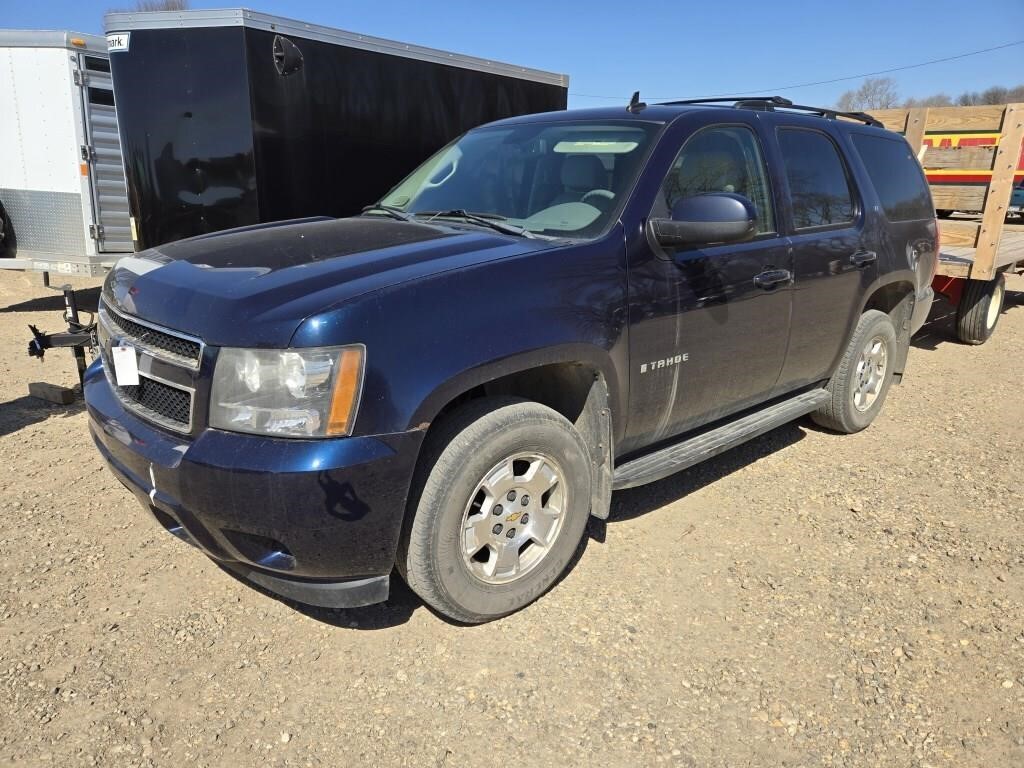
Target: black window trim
column 851, row 183
column 765, row 168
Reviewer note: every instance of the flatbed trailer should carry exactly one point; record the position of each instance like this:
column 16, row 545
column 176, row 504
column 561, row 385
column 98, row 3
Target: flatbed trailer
column 972, row 157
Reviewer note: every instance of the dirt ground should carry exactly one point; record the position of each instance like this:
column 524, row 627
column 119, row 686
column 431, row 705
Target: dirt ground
column 804, row 600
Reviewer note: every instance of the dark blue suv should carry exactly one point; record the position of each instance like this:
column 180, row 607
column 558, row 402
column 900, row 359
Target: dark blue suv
column 550, row 308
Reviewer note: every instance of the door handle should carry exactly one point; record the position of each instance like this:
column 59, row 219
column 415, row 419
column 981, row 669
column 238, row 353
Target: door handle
column 862, row 258
column 771, row 278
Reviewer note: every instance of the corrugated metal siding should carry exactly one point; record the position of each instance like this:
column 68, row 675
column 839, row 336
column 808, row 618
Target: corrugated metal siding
column 110, row 192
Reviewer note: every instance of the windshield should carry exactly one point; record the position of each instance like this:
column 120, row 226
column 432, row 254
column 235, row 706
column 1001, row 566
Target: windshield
column 554, row 179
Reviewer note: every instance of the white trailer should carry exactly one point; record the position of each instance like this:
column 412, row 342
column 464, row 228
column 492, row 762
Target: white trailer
column 62, row 182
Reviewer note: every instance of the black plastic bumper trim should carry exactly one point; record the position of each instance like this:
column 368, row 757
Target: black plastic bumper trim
column 331, row 594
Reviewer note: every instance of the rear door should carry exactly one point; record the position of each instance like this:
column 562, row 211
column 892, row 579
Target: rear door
column 111, row 223
column 835, row 257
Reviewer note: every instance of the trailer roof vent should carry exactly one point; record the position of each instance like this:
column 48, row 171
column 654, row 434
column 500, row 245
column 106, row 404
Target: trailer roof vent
column 287, row 56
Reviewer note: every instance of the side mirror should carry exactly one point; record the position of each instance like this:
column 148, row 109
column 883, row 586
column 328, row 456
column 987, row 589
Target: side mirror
column 717, row 217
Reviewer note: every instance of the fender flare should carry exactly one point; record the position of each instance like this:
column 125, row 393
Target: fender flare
column 465, row 381
column 902, row 314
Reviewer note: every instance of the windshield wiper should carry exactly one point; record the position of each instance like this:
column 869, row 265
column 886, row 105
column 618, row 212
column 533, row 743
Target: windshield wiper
column 394, row 213
column 482, row 220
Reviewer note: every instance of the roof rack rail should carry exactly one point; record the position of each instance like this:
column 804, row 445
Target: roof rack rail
column 770, row 103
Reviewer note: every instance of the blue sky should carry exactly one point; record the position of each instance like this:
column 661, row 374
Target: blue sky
column 667, row 50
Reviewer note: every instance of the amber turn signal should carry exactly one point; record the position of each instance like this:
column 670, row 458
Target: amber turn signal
column 348, row 385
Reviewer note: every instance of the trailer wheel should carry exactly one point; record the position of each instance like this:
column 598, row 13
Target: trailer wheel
column 979, row 309
column 943, row 213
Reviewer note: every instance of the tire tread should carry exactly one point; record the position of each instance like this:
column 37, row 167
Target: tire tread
column 836, row 413
column 444, row 453
column 972, row 312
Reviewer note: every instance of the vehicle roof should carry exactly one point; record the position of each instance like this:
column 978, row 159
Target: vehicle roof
column 655, row 113
column 667, row 113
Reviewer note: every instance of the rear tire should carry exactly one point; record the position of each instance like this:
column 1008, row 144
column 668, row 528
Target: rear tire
column 943, row 213
column 862, row 380
column 500, row 504
column 978, row 312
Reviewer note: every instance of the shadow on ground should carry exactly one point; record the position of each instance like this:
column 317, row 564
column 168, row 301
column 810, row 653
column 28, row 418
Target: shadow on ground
column 626, row 505
column 396, row 610
column 88, row 300
column 26, row 411
column 940, row 328
column 634, row 502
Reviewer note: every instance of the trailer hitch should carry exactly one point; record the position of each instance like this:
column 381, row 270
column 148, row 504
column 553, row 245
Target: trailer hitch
column 77, row 337
column 84, row 336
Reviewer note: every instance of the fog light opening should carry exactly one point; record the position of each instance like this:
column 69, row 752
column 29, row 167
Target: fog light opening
column 261, row 550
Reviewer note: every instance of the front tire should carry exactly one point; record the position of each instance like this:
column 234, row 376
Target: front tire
column 500, row 505
column 862, row 380
column 978, row 312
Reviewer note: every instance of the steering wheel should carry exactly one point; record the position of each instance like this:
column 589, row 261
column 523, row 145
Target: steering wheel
column 599, row 198
column 607, row 194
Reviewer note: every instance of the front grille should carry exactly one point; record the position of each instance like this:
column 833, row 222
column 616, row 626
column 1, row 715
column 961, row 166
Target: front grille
column 160, row 402
column 167, row 403
column 171, row 346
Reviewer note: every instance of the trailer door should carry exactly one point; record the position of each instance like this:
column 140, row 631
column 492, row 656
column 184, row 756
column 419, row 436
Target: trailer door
column 112, row 226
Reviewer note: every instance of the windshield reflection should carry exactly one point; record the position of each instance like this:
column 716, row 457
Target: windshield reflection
column 555, row 179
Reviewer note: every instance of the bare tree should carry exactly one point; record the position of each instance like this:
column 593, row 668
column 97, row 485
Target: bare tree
column 156, row 5
column 874, row 93
column 997, row 94
column 936, row 100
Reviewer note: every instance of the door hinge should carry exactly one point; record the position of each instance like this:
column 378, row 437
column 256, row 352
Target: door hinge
column 88, row 153
column 81, row 78
column 96, row 232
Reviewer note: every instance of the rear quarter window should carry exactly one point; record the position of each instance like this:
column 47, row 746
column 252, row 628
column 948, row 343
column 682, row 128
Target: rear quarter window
column 896, row 177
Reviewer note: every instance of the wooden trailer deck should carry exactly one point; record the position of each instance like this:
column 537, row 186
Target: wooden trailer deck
column 958, row 260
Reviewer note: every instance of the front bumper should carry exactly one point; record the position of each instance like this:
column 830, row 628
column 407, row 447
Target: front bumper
column 922, row 306
column 316, row 521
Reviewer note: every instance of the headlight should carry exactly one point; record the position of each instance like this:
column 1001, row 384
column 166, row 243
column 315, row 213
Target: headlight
column 288, row 393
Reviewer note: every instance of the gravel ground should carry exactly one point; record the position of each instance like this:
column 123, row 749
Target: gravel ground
column 804, row 600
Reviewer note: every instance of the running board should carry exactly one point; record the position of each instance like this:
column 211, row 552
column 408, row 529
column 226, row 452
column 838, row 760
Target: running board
column 679, row 456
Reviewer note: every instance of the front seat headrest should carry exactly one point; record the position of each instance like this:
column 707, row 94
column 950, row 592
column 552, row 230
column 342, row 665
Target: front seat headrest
column 584, row 173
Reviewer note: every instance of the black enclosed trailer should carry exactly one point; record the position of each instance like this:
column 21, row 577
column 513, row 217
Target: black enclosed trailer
column 232, row 117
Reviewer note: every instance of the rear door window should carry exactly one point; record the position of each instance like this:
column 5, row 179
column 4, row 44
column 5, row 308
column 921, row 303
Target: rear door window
column 896, row 176
column 818, row 182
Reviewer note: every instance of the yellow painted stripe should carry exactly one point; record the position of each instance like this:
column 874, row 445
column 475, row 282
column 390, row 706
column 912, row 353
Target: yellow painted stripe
column 954, row 138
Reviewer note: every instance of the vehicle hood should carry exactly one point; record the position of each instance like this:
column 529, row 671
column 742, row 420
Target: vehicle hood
column 252, row 287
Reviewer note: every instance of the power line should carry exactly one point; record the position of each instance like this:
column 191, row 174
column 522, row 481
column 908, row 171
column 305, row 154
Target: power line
column 819, row 82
